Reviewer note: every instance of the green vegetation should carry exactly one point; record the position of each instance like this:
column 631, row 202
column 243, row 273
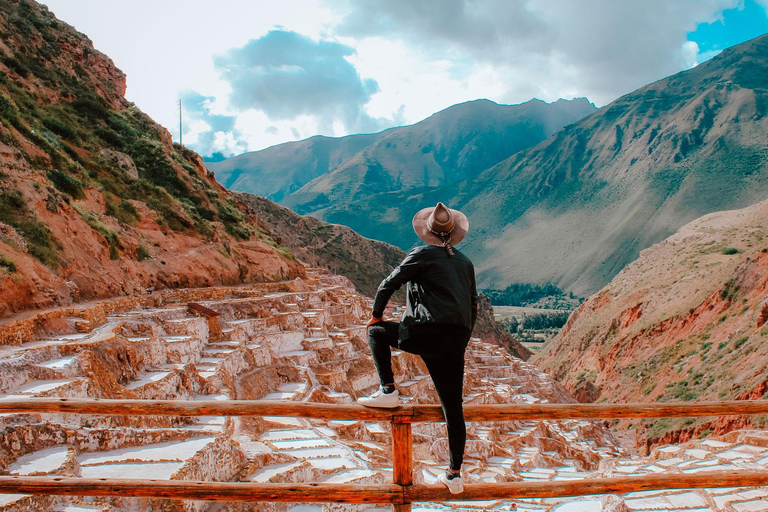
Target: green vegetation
column 524, row 294
column 142, row 253
column 73, row 131
column 730, row 291
column 122, row 210
column 67, row 184
column 730, row 250
column 40, row 241
column 7, row 265
column 536, row 321
column 95, row 223
column 740, row 342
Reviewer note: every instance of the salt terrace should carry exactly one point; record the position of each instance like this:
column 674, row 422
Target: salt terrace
column 302, row 340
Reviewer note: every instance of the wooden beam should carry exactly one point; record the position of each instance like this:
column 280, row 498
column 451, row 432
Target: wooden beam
column 618, row 485
column 402, row 453
column 194, row 306
column 374, row 493
column 113, row 407
column 404, row 414
column 202, row 490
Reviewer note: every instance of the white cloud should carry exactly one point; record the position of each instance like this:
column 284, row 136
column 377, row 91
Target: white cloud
column 425, row 55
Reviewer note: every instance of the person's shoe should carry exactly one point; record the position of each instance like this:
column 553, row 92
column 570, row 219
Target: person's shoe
column 381, row 399
column 452, row 481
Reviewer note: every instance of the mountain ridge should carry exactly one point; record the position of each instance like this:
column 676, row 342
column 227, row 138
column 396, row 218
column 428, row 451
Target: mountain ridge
column 577, row 207
column 377, row 162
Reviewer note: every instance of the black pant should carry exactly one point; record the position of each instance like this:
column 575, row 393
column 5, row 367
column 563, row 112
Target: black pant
column 446, row 367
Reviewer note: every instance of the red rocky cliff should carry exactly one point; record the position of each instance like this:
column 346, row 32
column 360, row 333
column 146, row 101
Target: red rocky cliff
column 95, row 200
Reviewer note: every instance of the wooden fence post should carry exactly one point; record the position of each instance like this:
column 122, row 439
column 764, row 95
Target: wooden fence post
column 402, row 457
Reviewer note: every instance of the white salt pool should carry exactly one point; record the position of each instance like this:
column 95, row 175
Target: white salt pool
column 41, row 386
column 146, row 378
column 42, row 461
column 264, row 474
column 58, row 364
column 148, row 470
column 172, row 451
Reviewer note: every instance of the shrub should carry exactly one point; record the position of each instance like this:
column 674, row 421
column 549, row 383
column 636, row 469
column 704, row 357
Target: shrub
column 90, row 106
column 142, row 253
column 59, row 128
column 730, row 250
column 730, row 290
column 15, row 66
column 67, row 184
column 740, row 342
column 112, row 239
column 7, row 265
column 155, row 167
column 121, row 210
column 40, row 242
column 240, row 231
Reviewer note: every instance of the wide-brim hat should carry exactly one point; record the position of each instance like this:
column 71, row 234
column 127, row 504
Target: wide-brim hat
column 430, row 223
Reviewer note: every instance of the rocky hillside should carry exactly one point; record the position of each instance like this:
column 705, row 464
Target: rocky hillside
column 363, row 261
column 96, row 200
column 576, row 208
column 454, row 144
column 685, row 321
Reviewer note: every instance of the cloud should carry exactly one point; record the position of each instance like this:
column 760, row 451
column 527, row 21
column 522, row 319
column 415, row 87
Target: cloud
column 285, row 74
column 481, row 26
column 209, row 132
column 600, row 48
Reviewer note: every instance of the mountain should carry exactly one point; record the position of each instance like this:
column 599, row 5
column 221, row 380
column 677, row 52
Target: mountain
column 363, row 261
column 95, row 199
column 575, row 209
column 685, row 321
column 449, row 146
column 280, row 170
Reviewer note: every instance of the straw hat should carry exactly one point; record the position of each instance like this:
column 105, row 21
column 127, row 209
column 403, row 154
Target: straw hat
column 440, row 225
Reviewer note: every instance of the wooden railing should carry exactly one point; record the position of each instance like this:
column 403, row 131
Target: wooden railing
column 402, row 492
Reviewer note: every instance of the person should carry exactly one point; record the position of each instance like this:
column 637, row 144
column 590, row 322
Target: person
column 440, row 312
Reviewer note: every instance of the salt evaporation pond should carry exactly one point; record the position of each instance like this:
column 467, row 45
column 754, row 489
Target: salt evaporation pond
column 156, row 452
column 5, row 499
column 58, row 364
column 263, row 475
column 146, row 378
column 150, row 470
column 42, row 461
column 41, row 386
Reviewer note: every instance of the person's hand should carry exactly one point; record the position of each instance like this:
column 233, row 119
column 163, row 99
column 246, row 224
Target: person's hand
column 373, row 321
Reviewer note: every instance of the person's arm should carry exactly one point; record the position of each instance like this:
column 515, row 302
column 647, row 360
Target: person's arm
column 404, row 272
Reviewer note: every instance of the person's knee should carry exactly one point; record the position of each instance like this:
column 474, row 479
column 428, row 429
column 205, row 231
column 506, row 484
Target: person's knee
column 376, row 333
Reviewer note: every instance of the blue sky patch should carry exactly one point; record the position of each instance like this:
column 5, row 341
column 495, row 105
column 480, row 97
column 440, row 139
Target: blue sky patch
column 737, row 25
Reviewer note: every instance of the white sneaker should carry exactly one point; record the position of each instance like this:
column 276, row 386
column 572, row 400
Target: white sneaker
column 381, row 399
column 455, row 485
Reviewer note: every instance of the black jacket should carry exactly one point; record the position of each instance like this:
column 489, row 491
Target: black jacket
column 442, row 296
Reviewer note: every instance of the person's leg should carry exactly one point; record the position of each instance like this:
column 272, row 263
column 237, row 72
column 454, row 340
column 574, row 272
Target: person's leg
column 382, row 336
column 447, row 372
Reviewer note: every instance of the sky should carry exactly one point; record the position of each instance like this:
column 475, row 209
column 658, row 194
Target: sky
column 254, row 73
